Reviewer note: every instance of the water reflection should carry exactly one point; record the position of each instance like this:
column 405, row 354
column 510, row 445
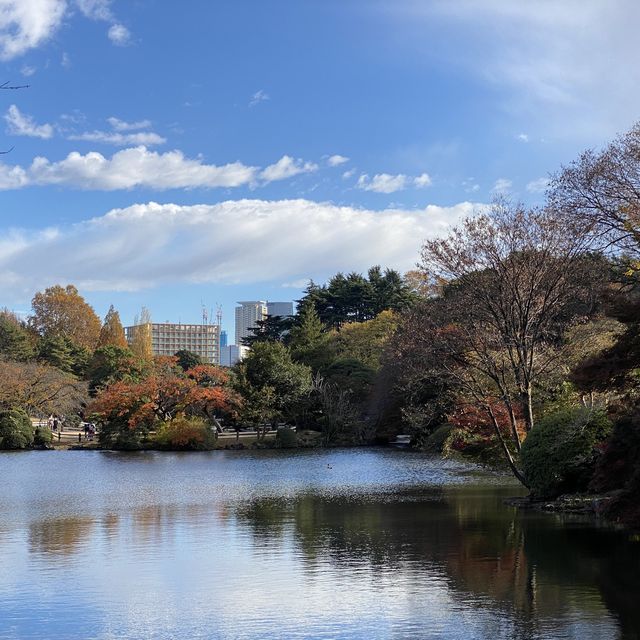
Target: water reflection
column 274, row 546
column 540, row 568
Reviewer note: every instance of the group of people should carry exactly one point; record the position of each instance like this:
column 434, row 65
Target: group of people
column 55, row 423
column 89, row 431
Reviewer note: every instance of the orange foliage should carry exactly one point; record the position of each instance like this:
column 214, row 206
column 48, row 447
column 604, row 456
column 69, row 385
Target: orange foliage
column 165, row 394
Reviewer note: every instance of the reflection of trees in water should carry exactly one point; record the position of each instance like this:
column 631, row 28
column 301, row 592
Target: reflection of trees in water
column 532, row 565
column 61, row 536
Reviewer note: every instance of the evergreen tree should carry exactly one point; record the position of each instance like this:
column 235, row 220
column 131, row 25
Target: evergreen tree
column 112, row 332
column 64, row 354
column 187, row 359
column 15, row 340
column 271, row 329
column 308, row 338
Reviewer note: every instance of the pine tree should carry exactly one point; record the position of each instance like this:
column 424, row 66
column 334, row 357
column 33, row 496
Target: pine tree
column 308, row 338
column 112, row 333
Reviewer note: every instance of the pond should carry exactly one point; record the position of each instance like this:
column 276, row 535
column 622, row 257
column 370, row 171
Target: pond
column 352, row 543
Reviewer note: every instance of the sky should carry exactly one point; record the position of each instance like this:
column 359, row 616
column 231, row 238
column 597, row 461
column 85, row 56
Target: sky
column 181, row 156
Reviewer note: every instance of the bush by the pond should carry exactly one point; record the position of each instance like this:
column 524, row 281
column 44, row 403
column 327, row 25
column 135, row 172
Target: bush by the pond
column 42, row 437
column 286, row 438
column 186, row 434
column 16, row 430
column 560, row 452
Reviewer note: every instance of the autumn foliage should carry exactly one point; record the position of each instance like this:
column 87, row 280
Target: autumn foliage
column 166, row 395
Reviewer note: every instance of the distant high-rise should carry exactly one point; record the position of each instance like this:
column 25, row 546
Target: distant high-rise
column 223, row 338
column 282, row 309
column 247, row 316
column 230, row 354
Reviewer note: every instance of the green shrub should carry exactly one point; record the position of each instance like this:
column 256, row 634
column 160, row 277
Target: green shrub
column 42, row 437
column 16, row 430
column 286, row 438
column 559, row 454
column 186, row 434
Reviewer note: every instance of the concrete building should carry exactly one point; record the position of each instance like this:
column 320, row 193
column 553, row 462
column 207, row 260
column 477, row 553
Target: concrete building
column 231, row 354
column 282, row 309
column 247, row 316
column 167, row 338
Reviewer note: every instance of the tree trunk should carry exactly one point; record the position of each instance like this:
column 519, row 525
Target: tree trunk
column 516, row 472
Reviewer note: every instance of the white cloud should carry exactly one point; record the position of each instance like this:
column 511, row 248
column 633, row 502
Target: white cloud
column 502, row 185
column 258, row 97
column 139, row 167
column 336, row 160
column 382, row 182
column 146, row 138
column 20, row 124
column 523, row 137
column 27, row 71
column 96, row 9
column 538, row 186
column 148, row 245
column 101, row 10
column 553, row 58
column 65, row 61
column 388, row 183
column 423, row 180
column 26, row 24
column 287, row 167
column 119, row 35
column 348, row 174
column 121, row 125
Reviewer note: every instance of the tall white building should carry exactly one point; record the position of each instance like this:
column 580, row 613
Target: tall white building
column 168, row 338
column 247, row 316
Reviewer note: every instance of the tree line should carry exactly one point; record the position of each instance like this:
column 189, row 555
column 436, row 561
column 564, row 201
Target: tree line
column 515, row 339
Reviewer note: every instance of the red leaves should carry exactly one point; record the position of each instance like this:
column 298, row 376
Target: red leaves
column 202, row 392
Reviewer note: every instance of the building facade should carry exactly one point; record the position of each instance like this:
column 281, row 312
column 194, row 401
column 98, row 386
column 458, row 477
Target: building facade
column 231, row 354
column 282, row 309
column 247, row 316
column 168, row 338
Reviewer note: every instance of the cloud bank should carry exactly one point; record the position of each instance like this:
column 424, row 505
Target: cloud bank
column 233, row 242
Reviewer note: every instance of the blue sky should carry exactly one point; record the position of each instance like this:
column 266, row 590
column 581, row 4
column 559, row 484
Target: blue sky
column 179, row 156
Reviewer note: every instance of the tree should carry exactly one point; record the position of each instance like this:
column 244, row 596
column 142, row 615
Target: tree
column 63, row 312
column 365, row 341
column 112, row 332
column 61, row 352
column 517, row 279
column 40, row 389
column 141, row 343
column 354, row 298
column 16, row 342
column 111, row 364
column 308, row 338
column 600, row 192
column 271, row 329
column 187, row 359
column 270, row 383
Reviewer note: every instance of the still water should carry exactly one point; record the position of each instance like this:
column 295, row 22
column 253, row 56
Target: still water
column 312, row 544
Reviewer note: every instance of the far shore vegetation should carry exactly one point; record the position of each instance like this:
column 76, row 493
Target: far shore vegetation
column 515, row 341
